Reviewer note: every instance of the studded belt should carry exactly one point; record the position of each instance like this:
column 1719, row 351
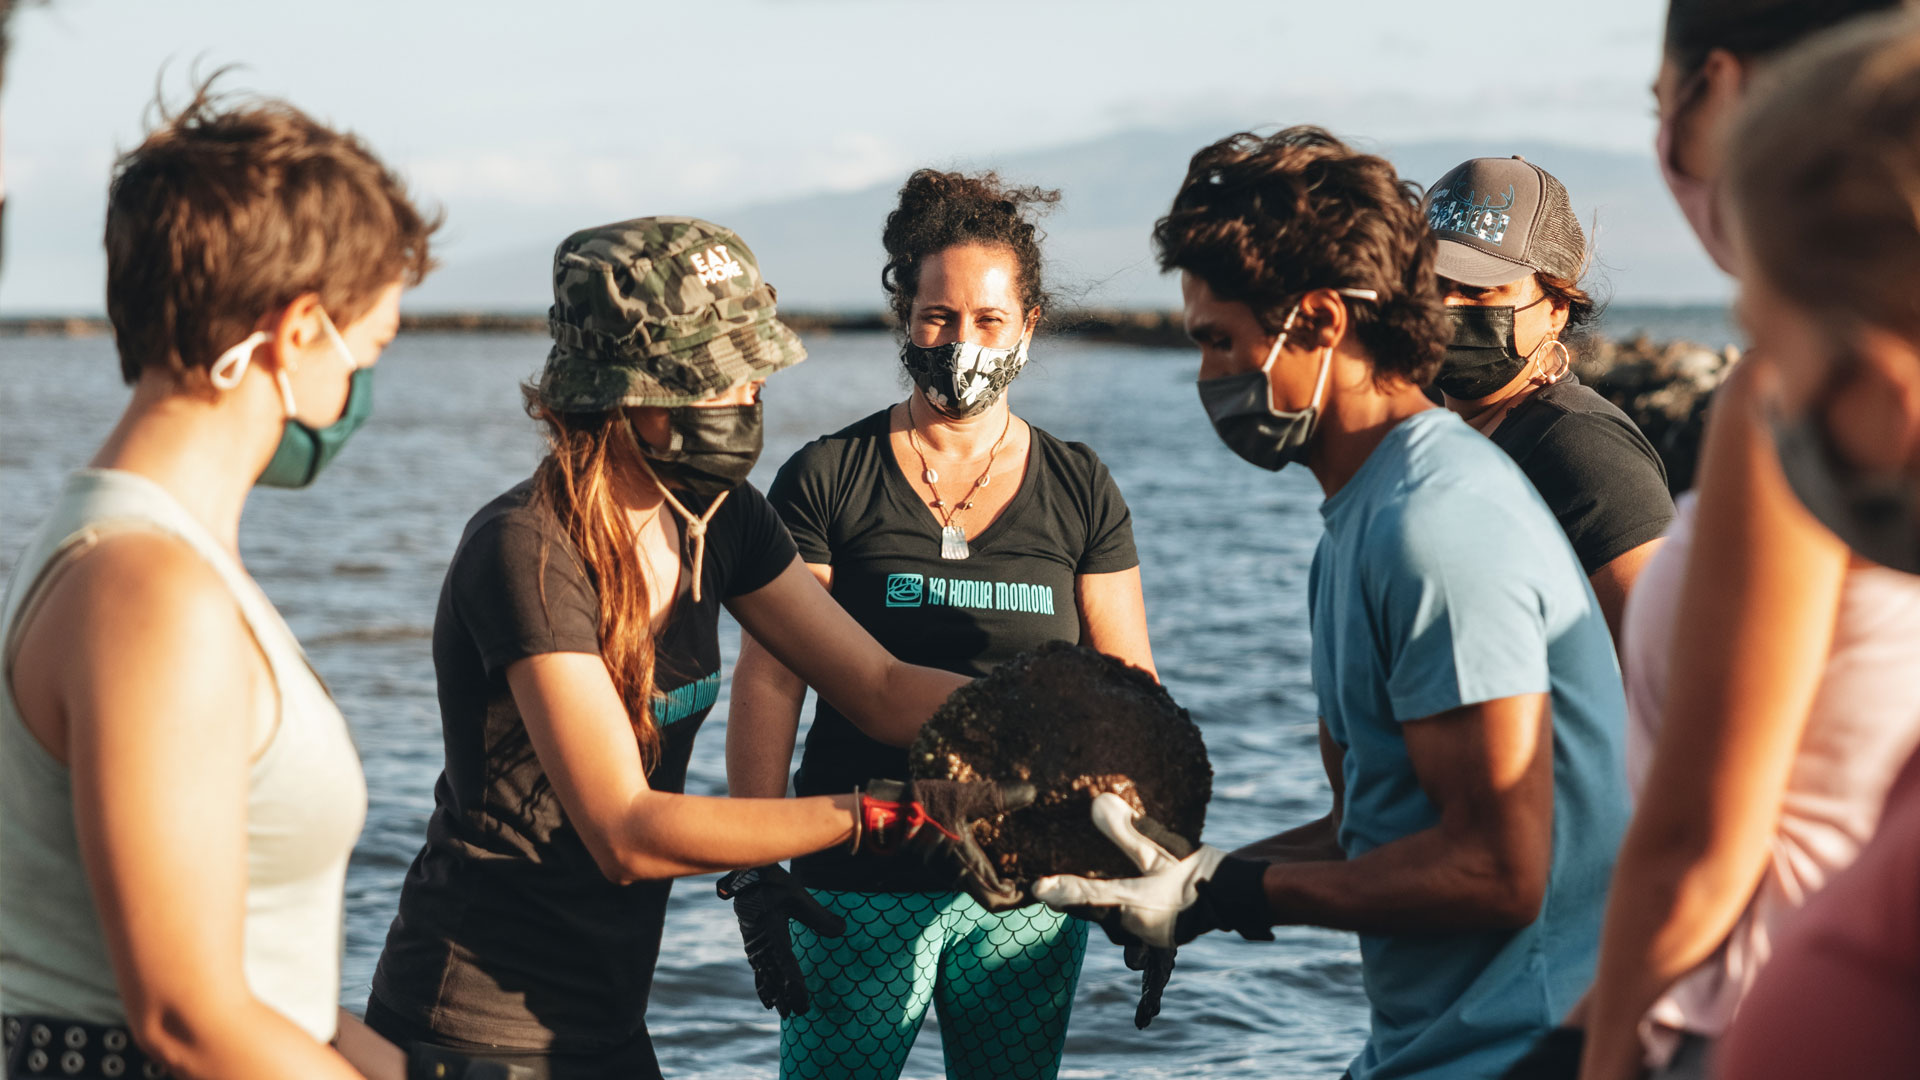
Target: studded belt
column 47, row 1046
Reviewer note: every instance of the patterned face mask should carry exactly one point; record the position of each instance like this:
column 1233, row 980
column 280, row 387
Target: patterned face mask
column 964, row 378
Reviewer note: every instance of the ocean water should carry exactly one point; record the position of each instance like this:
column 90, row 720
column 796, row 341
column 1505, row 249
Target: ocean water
column 355, row 563
column 1711, row 325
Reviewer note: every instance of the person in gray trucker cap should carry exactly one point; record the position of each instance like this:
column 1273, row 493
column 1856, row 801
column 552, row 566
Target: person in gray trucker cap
column 1511, row 254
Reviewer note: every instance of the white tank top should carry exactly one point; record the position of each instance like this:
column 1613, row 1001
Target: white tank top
column 306, row 797
column 1863, row 725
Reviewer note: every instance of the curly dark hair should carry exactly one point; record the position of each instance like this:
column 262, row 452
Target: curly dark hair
column 939, row 210
column 1267, row 220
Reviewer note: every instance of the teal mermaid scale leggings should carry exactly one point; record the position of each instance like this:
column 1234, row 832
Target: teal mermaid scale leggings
column 1002, row 983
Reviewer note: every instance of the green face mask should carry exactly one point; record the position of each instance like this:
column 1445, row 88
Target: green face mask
column 304, row 449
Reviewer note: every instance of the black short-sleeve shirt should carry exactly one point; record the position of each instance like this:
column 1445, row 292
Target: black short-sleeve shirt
column 849, row 505
column 1593, row 467
column 508, row 933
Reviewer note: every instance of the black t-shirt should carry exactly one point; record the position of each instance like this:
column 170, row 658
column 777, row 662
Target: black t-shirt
column 1597, row 472
column 848, row 505
column 508, row 933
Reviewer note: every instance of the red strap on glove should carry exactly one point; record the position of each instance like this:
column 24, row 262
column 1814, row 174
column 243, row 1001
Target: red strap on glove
column 886, row 825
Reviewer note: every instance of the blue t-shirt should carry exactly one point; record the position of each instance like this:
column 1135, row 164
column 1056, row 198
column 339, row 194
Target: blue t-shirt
column 1444, row 581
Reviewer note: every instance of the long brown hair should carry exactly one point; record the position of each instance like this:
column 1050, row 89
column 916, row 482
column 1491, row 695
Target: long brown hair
column 575, row 483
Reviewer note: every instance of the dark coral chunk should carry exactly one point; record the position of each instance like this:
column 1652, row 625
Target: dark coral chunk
column 1074, row 723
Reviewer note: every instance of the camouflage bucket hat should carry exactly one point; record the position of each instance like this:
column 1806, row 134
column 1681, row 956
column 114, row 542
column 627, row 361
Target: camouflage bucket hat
column 658, row 311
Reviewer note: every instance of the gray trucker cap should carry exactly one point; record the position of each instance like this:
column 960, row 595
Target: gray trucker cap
column 1500, row 219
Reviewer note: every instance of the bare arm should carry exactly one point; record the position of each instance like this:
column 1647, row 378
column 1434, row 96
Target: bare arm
column 1113, row 617
column 1751, row 640
column 1612, row 582
column 367, row 1050
column 137, row 646
column 808, row 631
column 580, row 732
column 763, row 716
column 1488, row 769
column 1319, row 839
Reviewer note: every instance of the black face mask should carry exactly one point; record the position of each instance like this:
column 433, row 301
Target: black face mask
column 1877, row 514
column 1483, row 355
column 709, row 450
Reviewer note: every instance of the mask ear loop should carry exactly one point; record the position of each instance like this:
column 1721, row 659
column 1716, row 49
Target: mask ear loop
column 1273, row 354
column 1326, row 361
column 339, row 343
column 1326, row 365
column 1320, row 384
column 231, row 366
column 696, row 523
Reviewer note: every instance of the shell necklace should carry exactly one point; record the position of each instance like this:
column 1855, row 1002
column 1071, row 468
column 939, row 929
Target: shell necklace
column 953, row 538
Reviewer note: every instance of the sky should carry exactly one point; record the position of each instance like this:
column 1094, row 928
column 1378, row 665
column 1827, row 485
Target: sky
column 526, row 121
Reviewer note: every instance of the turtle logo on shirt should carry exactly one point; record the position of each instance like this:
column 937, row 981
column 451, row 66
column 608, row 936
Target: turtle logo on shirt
column 905, row 590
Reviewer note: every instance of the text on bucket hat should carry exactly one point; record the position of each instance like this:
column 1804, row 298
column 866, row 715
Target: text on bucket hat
column 658, row 311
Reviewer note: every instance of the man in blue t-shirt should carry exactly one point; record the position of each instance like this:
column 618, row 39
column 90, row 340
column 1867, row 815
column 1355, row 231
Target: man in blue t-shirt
column 1472, row 719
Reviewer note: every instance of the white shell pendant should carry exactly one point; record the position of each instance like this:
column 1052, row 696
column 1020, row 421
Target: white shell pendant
column 953, row 542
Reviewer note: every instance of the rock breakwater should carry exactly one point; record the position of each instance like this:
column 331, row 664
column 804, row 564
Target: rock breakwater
column 1665, row 387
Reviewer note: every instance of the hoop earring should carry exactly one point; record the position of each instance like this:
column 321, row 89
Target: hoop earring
column 1566, row 363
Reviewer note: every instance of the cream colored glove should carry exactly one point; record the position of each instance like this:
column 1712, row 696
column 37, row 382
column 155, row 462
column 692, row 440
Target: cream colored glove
column 1148, row 906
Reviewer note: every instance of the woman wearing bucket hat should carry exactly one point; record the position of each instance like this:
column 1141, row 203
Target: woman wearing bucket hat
column 577, row 653
column 1511, row 254
column 1769, row 677
column 946, row 485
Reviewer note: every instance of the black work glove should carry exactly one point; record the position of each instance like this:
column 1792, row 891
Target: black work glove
column 764, row 898
column 936, row 815
column 1155, row 966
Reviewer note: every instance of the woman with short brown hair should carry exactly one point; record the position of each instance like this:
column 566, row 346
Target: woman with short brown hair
column 178, row 792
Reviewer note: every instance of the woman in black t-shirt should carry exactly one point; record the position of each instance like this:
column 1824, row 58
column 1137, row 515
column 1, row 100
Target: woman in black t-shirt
column 1510, row 256
column 958, row 535
column 577, row 654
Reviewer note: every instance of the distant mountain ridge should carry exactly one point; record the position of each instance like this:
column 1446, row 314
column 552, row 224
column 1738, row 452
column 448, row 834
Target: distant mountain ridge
column 823, row 251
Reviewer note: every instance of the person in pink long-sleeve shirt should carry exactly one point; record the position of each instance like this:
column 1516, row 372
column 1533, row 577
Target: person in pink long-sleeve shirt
column 1823, row 171
column 1842, row 994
